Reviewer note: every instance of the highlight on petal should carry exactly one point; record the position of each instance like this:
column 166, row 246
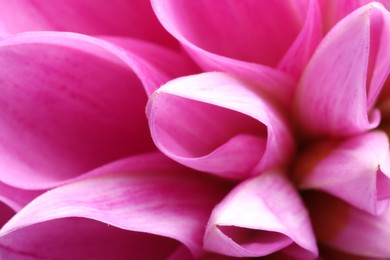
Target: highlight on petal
column 356, row 170
column 342, row 227
column 255, row 44
column 98, row 17
column 217, row 123
column 161, row 199
column 261, row 216
column 342, row 81
column 70, row 103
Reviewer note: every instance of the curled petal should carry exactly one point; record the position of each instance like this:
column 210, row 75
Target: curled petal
column 158, row 199
column 356, row 170
column 70, row 103
column 16, row 198
column 342, row 81
column 254, row 47
column 99, row 17
column 217, row 123
column 261, row 216
column 340, row 226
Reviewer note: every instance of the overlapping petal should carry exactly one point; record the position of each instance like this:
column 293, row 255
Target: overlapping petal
column 70, row 103
column 255, row 44
column 261, row 216
column 356, row 170
column 217, row 123
column 345, row 228
column 160, row 198
column 338, row 90
column 94, row 17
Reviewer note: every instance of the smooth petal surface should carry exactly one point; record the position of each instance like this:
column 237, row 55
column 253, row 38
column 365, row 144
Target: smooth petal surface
column 15, row 198
column 94, row 17
column 341, row 83
column 217, row 123
column 356, row 170
column 255, row 44
column 74, row 103
column 343, row 227
column 160, row 199
column 80, row 238
column 261, row 216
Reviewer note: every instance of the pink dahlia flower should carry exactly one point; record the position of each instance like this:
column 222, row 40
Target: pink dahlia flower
column 176, row 129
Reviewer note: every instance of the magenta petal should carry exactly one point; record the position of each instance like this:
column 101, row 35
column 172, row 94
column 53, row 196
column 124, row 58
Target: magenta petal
column 334, row 99
column 217, row 123
column 253, row 44
column 157, row 199
column 299, row 53
column 16, row 198
column 343, row 227
column 356, row 170
column 121, row 18
column 259, row 217
column 74, row 103
column 80, row 238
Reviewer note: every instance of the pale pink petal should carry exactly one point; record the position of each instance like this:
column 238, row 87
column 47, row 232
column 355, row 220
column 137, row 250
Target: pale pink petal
column 261, row 216
column 356, row 170
column 217, row 123
column 160, row 198
column 255, row 43
column 299, row 53
column 94, row 17
column 80, row 238
column 339, row 87
column 70, row 103
column 348, row 229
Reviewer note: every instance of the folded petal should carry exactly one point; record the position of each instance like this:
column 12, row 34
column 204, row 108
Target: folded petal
column 254, row 49
column 261, row 216
column 70, row 103
column 122, row 18
column 160, row 199
column 342, row 81
column 217, row 123
column 343, row 227
column 356, row 170
column 16, row 198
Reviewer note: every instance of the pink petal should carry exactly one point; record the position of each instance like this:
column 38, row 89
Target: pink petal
column 356, row 170
column 15, row 198
column 158, row 199
column 255, row 44
column 343, row 227
column 334, row 99
column 217, row 123
column 70, row 103
column 259, row 217
column 122, row 18
column 80, row 238
column 300, row 52
column 6, row 213
column 335, row 10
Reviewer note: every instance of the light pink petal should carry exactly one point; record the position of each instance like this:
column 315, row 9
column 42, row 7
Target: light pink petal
column 339, row 87
column 261, row 216
column 217, row 123
column 161, row 199
column 343, row 227
column 255, row 43
column 94, row 17
column 299, row 53
column 80, row 238
column 356, row 170
column 70, row 103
